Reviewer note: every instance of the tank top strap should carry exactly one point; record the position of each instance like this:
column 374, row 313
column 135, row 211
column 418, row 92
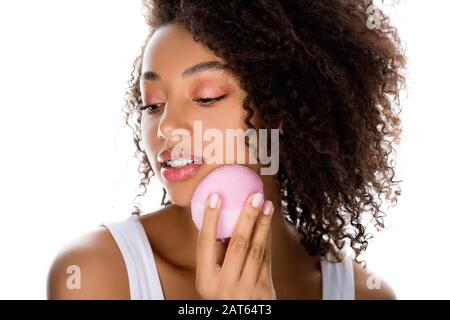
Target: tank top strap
column 143, row 276
column 338, row 281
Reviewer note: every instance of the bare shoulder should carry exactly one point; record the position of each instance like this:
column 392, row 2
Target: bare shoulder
column 369, row 285
column 90, row 267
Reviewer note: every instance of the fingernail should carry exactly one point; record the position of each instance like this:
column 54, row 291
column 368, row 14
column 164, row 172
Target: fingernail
column 213, row 200
column 267, row 207
column 257, row 199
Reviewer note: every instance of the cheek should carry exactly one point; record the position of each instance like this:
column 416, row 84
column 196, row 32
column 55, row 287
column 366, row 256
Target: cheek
column 233, row 119
column 149, row 138
column 232, row 116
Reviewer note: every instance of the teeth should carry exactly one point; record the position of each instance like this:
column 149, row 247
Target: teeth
column 179, row 162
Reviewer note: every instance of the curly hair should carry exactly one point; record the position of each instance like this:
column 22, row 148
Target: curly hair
column 331, row 81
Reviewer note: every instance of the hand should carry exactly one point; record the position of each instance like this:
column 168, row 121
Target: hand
column 246, row 269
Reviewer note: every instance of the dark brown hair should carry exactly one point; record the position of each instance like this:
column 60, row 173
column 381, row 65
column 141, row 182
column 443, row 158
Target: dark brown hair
column 331, row 81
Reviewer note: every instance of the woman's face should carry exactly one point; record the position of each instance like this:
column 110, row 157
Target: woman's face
column 170, row 51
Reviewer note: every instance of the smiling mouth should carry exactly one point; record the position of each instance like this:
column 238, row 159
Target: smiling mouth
column 178, row 166
column 177, row 163
column 177, row 159
column 180, row 173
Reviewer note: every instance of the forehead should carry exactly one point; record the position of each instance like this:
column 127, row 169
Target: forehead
column 171, row 49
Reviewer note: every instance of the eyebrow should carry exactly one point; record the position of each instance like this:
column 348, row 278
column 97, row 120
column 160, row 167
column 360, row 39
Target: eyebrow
column 197, row 68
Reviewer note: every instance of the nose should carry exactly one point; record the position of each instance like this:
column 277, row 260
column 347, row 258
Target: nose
column 171, row 124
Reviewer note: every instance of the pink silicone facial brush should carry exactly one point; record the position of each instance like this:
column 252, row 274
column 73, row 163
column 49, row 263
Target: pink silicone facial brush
column 234, row 183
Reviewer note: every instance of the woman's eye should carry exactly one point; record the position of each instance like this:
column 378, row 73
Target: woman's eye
column 203, row 102
column 151, row 108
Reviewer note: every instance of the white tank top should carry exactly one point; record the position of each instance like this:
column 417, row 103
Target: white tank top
column 143, row 276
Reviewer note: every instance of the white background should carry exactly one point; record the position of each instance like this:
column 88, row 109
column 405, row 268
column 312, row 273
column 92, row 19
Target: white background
column 66, row 162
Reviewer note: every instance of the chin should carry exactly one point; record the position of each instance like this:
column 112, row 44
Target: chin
column 181, row 192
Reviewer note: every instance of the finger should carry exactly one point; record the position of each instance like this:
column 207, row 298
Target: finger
column 265, row 274
column 238, row 245
column 254, row 260
column 206, row 241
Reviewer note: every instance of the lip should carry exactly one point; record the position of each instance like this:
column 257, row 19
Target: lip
column 182, row 173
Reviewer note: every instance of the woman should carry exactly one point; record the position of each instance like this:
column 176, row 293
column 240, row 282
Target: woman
column 317, row 71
